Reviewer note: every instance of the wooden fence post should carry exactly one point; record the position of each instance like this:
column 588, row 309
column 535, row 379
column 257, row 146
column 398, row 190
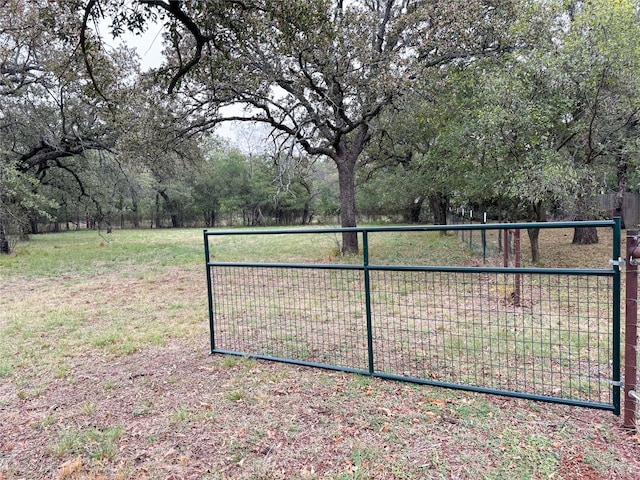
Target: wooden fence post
column 631, row 330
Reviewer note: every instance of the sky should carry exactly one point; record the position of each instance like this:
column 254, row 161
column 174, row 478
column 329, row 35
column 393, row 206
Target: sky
column 148, row 45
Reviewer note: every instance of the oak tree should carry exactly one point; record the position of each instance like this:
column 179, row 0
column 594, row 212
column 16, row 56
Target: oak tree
column 318, row 72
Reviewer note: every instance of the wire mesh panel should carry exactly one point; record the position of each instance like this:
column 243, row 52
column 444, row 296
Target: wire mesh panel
column 309, row 315
column 552, row 339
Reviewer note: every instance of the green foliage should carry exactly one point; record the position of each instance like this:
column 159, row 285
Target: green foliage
column 541, row 125
column 260, row 191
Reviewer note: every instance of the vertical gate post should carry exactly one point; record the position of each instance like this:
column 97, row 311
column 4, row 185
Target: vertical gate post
column 367, row 296
column 631, row 327
column 207, row 257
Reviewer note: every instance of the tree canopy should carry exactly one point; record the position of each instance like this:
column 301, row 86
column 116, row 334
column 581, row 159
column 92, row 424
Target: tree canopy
column 319, row 73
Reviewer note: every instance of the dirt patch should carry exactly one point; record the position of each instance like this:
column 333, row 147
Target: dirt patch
column 574, row 468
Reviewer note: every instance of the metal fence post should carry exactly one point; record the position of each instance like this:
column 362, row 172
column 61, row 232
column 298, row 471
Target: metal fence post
column 631, row 327
column 484, row 239
column 471, row 231
column 505, row 248
column 518, row 278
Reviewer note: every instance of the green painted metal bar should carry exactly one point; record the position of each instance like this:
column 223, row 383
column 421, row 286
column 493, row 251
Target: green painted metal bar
column 207, row 256
column 616, row 316
column 493, row 391
column 367, row 290
column 417, row 228
column 293, row 361
column 527, row 270
column 418, row 268
column 313, row 266
column 424, row 381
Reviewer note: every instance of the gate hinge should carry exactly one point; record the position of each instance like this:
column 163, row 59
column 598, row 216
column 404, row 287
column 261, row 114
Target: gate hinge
column 616, row 383
column 621, row 262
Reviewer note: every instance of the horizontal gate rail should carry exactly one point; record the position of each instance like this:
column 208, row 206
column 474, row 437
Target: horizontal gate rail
column 448, row 326
column 418, row 268
column 418, row 228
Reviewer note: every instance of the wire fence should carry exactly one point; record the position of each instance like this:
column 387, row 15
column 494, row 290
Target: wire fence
column 544, row 334
column 489, row 245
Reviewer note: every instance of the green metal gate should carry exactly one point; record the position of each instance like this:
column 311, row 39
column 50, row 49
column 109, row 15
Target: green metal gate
column 549, row 334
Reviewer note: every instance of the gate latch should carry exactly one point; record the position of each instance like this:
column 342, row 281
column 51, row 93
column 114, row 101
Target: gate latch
column 621, row 262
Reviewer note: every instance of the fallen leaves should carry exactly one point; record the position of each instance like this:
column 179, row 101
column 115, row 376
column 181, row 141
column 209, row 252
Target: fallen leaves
column 385, row 428
column 308, row 431
column 308, row 471
column 575, row 468
column 68, row 468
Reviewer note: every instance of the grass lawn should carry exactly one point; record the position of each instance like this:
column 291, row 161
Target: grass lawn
column 105, row 373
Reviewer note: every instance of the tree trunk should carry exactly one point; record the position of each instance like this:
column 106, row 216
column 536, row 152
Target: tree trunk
column 585, row 236
column 346, row 180
column 537, row 214
column 622, row 183
column 257, row 218
column 4, row 241
column 534, row 234
column 414, row 210
column 176, row 221
column 618, row 207
column 157, row 212
column 33, row 224
column 439, row 204
column 210, row 218
column 306, row 215
column 134, row 209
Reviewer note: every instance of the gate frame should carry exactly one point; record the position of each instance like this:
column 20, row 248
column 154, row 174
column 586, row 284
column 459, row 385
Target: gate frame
column 616, row 262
